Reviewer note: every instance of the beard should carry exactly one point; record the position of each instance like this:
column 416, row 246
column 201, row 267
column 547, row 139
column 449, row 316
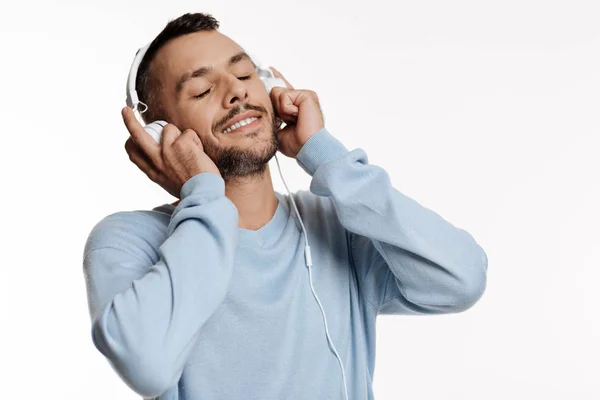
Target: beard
column 235, row 163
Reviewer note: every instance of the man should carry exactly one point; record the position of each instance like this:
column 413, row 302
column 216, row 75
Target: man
column 210, row 297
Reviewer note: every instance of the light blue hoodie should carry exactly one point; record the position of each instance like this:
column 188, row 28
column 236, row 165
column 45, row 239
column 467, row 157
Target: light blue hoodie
column 185, row 305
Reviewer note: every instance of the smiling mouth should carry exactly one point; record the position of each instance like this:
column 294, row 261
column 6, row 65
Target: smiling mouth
column 240, row 124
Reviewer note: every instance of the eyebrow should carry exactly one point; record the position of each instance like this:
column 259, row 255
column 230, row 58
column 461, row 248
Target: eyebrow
column 205, row 70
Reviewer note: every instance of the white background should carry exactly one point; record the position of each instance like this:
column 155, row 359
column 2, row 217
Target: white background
column 485, row 112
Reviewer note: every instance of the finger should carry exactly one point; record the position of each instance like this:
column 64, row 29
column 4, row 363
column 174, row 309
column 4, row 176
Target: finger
column 189, row 135
column 286, row 103
column 133, row 149
column 275, row 94
column 170, row 133
column 281, row 97
column 291, row 109
column 142, row 162
column 185, row 143
column 277, row 74
column 140, row 137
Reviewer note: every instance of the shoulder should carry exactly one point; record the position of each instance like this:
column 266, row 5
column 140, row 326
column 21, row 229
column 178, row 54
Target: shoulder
column 136, row 231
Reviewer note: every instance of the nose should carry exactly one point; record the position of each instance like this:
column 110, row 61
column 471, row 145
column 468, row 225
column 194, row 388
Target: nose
column 236, row 92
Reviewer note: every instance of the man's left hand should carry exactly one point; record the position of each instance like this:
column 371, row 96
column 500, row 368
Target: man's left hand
column 301, row 112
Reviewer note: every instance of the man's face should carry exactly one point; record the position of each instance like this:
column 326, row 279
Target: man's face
column 207, row 82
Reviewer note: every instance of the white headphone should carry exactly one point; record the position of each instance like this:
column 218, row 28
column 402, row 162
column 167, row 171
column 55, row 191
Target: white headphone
column 155, row 130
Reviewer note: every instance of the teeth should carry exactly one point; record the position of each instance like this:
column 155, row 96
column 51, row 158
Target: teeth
column 239, row 124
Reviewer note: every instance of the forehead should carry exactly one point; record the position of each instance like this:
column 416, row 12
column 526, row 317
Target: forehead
column 189, row 52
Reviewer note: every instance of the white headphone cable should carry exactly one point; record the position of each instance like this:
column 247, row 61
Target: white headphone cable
column 308, row 259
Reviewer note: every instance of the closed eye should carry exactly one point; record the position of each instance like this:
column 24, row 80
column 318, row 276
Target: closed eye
column 241, row 78
column 201, row 95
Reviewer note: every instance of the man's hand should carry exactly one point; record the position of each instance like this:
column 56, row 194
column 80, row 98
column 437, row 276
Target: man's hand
column 171, row 163
column 301, row 111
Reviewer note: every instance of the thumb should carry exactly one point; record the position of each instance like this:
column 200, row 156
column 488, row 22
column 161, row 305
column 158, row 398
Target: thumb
column 278, row 74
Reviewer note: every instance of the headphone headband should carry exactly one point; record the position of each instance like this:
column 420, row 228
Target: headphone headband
column 132, row 99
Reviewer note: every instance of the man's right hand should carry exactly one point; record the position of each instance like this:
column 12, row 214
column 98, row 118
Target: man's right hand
column 171, row 163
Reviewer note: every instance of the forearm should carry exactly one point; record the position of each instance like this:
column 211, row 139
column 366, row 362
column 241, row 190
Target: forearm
column 148, row 330
column 436, row 264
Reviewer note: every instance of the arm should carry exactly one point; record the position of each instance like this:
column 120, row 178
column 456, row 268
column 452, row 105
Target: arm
column 408, row 259
column 146, row 318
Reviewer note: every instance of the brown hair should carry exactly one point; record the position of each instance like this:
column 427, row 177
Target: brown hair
column 147, row 85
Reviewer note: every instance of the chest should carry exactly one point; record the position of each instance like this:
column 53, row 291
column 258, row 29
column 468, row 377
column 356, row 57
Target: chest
column 270, row 320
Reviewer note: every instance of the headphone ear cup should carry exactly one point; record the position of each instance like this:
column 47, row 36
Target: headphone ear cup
column 154, row 129
column 268, row 78
column 270, row 83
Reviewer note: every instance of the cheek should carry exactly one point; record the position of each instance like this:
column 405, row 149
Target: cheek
column 259, row 93
column 269, row 106
column 201, row 119
column 201, row 126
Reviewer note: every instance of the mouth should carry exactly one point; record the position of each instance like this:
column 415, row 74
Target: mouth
column 243, row 122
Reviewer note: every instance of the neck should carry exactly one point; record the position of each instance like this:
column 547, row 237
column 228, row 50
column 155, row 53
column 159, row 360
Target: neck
column 254, row 199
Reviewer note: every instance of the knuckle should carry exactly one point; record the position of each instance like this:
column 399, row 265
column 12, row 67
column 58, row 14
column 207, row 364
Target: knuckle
column 188, row 133
column 170, row 129
column 128, row 145
column 180, row 142
column 152, row 175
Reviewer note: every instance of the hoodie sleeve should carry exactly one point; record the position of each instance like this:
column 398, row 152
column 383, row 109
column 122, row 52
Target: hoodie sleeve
column 146, row 316
column 408, row 259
